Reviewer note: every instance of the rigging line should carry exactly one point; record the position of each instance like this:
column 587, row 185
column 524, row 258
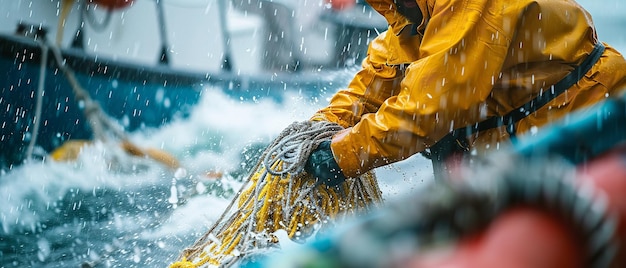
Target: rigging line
column 78, row 41
column 93, row 112
column 39, row 101
column 163, row 32
column 226, row 57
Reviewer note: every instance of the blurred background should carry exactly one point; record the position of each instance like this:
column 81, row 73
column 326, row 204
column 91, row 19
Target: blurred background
column 314, row 31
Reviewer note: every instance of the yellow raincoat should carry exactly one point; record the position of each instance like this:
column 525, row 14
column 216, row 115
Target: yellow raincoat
column 468, row 60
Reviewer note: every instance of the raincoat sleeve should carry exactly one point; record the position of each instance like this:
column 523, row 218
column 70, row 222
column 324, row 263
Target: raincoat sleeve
column 460, row 58
column 370, row 87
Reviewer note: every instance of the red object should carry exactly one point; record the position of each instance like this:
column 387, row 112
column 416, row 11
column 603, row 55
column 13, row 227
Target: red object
column 341, row 4
column 113, row 4
column 523, row 237
column 528, row 237
column 608, row 174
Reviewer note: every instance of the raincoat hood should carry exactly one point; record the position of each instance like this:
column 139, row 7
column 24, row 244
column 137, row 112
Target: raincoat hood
column 398, row 22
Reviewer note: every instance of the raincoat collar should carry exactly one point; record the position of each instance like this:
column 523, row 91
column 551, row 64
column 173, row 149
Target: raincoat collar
column 396, row 21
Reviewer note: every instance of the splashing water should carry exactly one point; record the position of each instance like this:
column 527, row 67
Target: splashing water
column 112, row 209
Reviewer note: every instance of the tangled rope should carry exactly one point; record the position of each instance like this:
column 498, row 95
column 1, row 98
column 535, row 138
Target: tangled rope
column 278, row 195
column 295, row 144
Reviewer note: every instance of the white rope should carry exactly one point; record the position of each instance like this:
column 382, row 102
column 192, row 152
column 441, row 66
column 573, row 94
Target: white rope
column 39, row 101
column 97, row 119
column 295, row 144
column 293, row 147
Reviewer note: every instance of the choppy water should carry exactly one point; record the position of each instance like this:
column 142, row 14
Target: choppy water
column 112, row 210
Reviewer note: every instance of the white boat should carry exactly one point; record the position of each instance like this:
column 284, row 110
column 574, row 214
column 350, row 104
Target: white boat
column 147, row 61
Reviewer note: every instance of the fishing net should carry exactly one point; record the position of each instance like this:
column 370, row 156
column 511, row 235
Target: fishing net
column 279, row 195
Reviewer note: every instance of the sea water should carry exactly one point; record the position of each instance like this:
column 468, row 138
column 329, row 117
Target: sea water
column 107, row 209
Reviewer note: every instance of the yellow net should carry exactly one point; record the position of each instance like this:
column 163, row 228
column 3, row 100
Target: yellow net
column 273, row 200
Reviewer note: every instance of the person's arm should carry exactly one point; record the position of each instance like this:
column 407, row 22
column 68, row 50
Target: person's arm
column 371, row 86
column 379, row 79
column 461, row 55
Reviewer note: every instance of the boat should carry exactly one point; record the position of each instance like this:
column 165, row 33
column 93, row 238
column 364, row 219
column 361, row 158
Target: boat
column 41, row 109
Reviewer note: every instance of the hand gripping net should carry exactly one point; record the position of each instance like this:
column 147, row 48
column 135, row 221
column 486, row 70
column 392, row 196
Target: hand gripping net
column 279, row 195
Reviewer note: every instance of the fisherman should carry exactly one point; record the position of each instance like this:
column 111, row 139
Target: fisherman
column 458, row 76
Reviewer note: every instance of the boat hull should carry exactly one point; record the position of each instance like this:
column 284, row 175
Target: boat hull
column 137, row 97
